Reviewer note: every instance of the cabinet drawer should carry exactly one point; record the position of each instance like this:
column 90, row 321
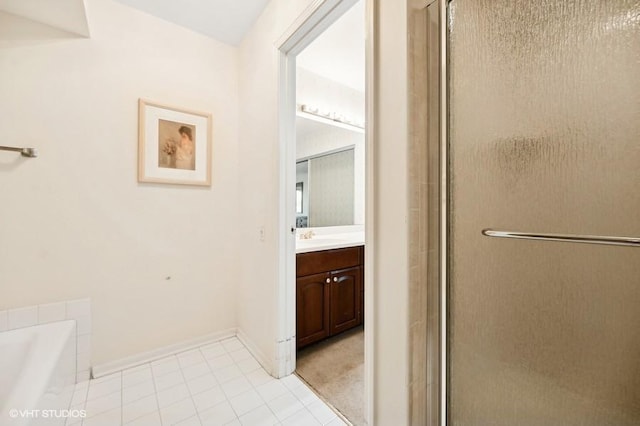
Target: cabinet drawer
column 327, row 260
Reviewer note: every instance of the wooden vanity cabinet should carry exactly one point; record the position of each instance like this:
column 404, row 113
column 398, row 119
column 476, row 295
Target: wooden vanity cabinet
column 344, row 302
column 312, row 308
column 329, row 293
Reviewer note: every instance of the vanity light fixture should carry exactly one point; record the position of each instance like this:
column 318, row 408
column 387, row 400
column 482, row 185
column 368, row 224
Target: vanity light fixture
column 333, row 116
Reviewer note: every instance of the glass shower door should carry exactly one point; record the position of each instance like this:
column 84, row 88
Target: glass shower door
column 544, row 137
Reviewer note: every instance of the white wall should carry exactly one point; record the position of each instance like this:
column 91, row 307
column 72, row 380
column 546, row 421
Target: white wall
column 339, row 52
column 328, row 95
column 323, row 138
column 75, row 222
column 259, row 145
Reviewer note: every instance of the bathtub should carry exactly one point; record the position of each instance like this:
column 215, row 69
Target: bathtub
column 37, row 374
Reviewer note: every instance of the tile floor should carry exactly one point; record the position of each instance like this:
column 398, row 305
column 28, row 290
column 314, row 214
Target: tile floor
column 216, row 384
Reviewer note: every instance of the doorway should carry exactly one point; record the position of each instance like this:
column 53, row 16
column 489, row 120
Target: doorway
column 322, row 217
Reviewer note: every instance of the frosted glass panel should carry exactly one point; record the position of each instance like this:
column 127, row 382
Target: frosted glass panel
column 544, row 127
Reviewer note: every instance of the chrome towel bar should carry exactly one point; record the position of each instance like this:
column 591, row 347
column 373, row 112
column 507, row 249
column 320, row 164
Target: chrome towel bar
column 567, row 238
column 25, row 152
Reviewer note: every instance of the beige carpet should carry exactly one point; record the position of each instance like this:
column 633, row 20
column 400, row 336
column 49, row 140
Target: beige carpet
column 335, row 369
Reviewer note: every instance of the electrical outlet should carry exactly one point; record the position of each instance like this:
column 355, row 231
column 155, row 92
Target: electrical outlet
column 261, row 233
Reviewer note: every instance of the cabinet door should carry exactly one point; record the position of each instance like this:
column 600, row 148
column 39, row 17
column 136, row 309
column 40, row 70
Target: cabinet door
column 346, row 294
column 312, row 308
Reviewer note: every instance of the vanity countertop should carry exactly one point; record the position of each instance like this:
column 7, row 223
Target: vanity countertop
column 330, row 241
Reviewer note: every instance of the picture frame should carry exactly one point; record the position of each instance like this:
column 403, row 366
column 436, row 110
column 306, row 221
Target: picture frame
column 174, row 145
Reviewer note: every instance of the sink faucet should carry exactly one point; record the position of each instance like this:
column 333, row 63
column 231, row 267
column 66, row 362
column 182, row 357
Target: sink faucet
column 307, row 235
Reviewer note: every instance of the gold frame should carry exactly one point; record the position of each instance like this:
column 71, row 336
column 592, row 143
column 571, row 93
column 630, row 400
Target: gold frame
column 143, row 174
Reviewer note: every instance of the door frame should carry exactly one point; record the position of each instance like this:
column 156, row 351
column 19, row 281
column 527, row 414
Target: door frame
column 314, row 20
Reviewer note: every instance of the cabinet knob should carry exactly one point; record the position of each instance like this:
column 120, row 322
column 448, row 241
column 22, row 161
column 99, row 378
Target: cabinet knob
column 335, row 279
column 328, row 280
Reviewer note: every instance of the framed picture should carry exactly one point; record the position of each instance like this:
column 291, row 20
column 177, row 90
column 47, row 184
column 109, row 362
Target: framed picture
column 174, row 145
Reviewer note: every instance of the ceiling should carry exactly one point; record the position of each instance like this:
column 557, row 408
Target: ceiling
column 338, row 53
column 225, row 20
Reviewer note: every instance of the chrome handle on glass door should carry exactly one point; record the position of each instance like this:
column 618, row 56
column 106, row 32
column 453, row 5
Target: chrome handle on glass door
column 567, row 238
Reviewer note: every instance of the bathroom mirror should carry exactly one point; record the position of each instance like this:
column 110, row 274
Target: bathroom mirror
column 329, row 174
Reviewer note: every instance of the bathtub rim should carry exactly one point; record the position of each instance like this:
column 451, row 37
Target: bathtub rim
column 39, row 369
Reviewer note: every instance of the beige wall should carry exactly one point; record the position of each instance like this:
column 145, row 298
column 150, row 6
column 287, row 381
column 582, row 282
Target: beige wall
column 259, row 145
column 391, row 216
column 75, row 223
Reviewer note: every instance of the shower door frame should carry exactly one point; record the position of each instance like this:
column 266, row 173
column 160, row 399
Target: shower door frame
column 438, row 288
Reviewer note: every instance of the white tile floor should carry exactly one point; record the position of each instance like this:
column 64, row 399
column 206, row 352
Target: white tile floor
column 216, row 384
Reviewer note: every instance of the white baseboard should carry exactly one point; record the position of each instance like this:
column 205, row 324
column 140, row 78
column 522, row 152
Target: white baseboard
column 257, row 353
column 152, row 355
